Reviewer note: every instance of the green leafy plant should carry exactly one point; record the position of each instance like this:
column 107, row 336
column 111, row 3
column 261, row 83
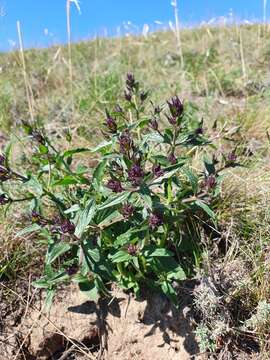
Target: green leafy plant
column 135, row 218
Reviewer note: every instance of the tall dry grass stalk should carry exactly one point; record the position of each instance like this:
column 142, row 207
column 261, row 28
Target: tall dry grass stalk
column 264, row 13
column 28, row 90
column 177, row 31
column 70, row 67
column 243, row 62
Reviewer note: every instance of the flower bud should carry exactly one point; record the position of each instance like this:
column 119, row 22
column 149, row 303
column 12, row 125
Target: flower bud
column 172, row 159
column 157, row 171
column 127, row 211
column 155, row 220
column 4, row 174
column 135, row 174
column 176, row 106
column 115, row 186
column 128, row 95
column 111, row 123
column 2, row 159
column 125, row 142
column 153, row 123
column 132, row 249
column 67, row 227
column 143, row 96
column 130, row 81
column 231, row 157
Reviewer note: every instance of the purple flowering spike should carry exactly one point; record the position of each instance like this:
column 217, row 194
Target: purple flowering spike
column 210, row 182
column 172, row 120
column 4, row 174
column 232, row 157
column 135, row 174
column 127, row 211
column 154, row 124
column 67, row 227
column 115, row 186
column 125, row 142
column 157, row 171
column 38, row 219
column 143, row 96
column 2, row 159
column 155, row 220
column 172, row 159
column 118, row 109
column 130, row 81
column 176, row 106
column 128, row 95
column 132, row 249
column 72, row 270
column 4, row 199
column 111, row 123
column 38, row 137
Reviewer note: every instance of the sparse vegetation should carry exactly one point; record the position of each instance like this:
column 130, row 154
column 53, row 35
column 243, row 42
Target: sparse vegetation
column 224, row 78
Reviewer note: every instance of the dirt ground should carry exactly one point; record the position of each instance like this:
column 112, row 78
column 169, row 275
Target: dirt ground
column 121, row 328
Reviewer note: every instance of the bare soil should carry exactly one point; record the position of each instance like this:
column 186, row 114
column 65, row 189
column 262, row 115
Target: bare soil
column 120, row 328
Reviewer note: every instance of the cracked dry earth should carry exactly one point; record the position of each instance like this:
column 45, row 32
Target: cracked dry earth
column 121, row 328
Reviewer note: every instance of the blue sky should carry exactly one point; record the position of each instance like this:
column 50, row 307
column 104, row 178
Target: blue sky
column 43, row 22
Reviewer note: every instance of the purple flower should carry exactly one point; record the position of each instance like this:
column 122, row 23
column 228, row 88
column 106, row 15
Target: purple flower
column 128, row 95
column 155, row 220
column 154, row 124
column 231, row 157
column 125, row 142
column 4, row 174
column 172, row 119
column 199, row 131
column 72, row 269
column 210, row 182
column 127, row 210
column 172, row 159
column 118, row 109
column 4, row 199
column 143, row 96
column 111, row 123
column 132, row 249
column 38, row 219
column 67, row 227
column 38, row 137
column 130, row 81
column 115, row 186
column 176, row 106
column 135, row 174
column 157, row 171
column 2, row 159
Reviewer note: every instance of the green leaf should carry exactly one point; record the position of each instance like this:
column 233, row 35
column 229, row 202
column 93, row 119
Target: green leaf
column 98, row 174
column 28, row 230
column 89, row 289
column 209, row 165
column 157, row 252
column 177, row 274
column 193, row 179
column 67, row 180
column 56, row 250
column 34, row 186
column 49, row 298
column 169, row 291
column 72, row 209
column 74, row 151
column 84, row 217
column 114, row 200
column 206, row 208
column 120, row 256
column 41, row 283
column 105, row 145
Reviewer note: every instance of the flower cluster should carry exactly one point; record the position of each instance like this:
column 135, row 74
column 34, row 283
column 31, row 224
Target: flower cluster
column 135, row 174
column 125, row 143
column 155, row 220
column 176, row 108
column 110, row 122
column 115, row 185
column 127, row 211
column 132, row 249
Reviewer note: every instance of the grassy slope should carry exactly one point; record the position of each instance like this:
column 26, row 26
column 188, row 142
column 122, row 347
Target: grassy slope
column 226, row 73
